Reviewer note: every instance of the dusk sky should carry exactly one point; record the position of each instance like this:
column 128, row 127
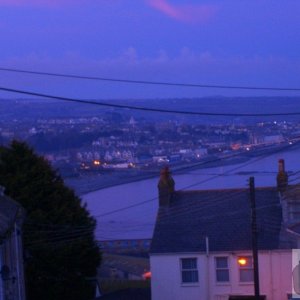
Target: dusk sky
column 248, row 43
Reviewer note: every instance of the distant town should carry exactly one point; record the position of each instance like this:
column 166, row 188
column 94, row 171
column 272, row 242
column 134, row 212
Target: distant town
column 95, row 149
column 84, row 147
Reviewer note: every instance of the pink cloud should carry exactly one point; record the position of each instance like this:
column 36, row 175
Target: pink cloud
column 197, row 13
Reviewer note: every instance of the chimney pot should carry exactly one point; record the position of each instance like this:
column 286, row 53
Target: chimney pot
column 166, row 187
column 282, row 176
column 281, row 167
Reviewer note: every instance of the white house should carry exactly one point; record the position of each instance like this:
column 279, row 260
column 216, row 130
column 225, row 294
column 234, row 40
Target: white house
column 201, row 247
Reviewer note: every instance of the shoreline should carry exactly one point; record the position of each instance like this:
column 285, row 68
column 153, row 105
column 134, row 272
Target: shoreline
column 93, row 183
column 140, row 176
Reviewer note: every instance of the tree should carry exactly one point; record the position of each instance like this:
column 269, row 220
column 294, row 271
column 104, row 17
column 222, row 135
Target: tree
column 61, row 255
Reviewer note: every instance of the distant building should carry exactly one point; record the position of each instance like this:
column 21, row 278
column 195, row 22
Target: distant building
column 272, row 139
column 201, row 247
column 125, row 246
column 199, row 153
column 132, row 122
column 12, row 286
column 160, row 159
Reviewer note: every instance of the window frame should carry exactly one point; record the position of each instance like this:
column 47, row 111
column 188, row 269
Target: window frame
column 222, row 269
column 189, row 270
column 247, row 268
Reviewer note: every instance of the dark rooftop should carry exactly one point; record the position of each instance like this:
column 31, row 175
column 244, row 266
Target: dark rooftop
column 221, row 215
column 8, row 213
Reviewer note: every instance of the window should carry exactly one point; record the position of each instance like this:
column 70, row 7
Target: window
column 296, row 278
column 189, row 270
column 246, row 269
column 222, row 271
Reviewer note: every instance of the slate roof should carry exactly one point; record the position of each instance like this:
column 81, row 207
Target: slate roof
column 221, row 215
column 9, row 210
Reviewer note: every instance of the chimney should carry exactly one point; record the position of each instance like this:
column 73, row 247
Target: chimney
column 166, row 186
column 282, row 176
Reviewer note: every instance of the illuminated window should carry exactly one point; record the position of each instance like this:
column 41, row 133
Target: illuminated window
column 246, row 269
column 222, row 271
column 189, row 270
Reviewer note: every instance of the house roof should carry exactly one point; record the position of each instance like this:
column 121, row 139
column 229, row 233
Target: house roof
column 224, row 216
column 9, row 210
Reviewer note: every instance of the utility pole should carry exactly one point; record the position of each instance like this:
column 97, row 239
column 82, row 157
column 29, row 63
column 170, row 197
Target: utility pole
column 254, row 238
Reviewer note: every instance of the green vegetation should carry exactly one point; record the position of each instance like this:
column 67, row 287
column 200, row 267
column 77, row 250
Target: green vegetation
column 61, row 255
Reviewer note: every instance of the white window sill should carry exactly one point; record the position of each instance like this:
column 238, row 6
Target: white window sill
column 189, row 284
column 226, row 283
column 246, row 283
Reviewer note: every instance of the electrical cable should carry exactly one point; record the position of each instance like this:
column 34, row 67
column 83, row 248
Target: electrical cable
column 146, row 82
column 140, row 108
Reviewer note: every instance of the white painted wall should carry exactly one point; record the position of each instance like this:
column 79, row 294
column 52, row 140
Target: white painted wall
column 275, row 268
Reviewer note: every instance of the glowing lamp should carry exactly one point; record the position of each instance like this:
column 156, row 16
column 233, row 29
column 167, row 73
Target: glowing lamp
column 147, row 275
column 242, row 261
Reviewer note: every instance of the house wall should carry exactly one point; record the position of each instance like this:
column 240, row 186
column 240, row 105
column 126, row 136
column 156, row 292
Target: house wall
column 275, row 269
column 12, row 256
column 166, row 278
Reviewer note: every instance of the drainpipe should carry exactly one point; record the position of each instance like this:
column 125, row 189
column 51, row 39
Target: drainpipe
column 207, row 268
column 271, row 274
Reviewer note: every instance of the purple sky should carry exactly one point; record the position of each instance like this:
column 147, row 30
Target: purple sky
column 208, row 42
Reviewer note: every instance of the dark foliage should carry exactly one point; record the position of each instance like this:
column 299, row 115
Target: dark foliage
column 67, row 140
column 61, row 255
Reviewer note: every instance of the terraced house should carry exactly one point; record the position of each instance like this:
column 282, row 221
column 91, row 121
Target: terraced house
column 202, row 249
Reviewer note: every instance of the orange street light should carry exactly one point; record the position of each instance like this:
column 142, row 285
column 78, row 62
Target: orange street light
column 242, row 261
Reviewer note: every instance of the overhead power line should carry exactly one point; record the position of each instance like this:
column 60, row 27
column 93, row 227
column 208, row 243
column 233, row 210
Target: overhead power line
column 146, row 82
column 140, row 108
